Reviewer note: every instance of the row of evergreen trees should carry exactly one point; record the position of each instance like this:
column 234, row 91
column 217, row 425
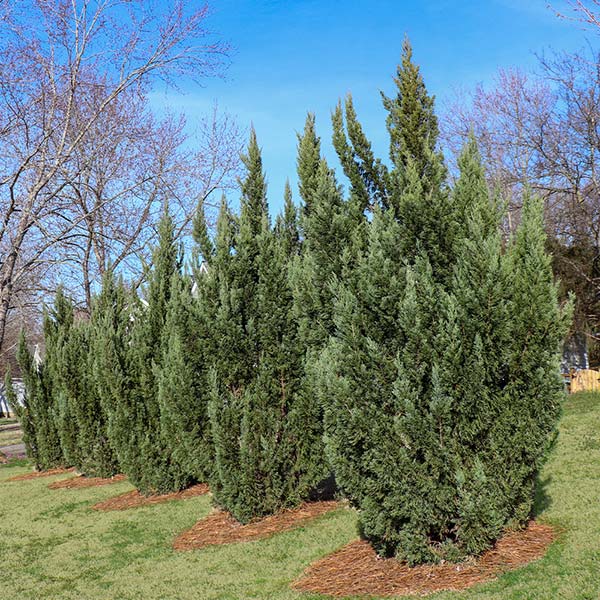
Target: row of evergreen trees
column 389, row 336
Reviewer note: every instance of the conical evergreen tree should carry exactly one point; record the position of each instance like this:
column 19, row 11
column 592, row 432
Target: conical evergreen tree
column 412, row 124
column 182, row 386
column 153, row 470
column 113, row 373
column 262, row 450
column 60, row 373
column 413, row 185
column 95, row 456
column 424, row 406
column 535, row 390
column 307, row 163
column 38, row 414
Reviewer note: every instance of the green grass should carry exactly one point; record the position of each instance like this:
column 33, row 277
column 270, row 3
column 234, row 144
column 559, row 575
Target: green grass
column 52, row 546
column 12, row 436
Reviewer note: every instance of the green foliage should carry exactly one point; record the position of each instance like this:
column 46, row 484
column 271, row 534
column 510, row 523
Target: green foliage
column 309, row 156
column 411, row 122
column 112, row 371
column 61, row 373
column 149, row 463
column 267, row 451
column 38, row 414
column 438, row 371
column 182, row 386
column 95, row 456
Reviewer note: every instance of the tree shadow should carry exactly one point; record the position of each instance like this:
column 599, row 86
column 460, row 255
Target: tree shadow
column 542, row 500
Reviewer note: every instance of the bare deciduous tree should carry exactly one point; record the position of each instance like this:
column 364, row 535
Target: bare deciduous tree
column 64, row 65
column 542, row 131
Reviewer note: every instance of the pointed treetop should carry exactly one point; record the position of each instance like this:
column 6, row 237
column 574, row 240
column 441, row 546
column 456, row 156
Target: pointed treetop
column 309, row 154
column 254, row 187
column 471, row 200
column 411, row 121
column 204, row 244
column 286, row 225
column 61, row 313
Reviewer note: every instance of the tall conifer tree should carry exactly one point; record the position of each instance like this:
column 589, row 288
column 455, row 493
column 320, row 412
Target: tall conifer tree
column 424, row 401
column 113, row 373
column 183, row 386
column 155, row 470
column 38, row 414
column 262, row 451
column 61, row 373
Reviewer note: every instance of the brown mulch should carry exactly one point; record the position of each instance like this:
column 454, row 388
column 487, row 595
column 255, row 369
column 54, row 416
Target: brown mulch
column 36, row 474
column 355, row 569
column 3, row 459
column 85, row 482
column 134, row 499
column 220, row 527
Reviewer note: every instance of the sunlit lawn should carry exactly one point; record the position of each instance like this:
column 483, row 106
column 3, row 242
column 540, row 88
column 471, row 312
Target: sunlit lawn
column 53, row 546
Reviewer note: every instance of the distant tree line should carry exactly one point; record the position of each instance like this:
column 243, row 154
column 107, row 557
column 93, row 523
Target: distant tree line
column 388, row 337
column 538, row 130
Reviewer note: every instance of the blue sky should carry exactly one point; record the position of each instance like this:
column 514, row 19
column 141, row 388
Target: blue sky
column 294, row 56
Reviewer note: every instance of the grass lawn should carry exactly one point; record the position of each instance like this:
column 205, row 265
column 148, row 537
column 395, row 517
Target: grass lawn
column 53, row 546
column 10, row 437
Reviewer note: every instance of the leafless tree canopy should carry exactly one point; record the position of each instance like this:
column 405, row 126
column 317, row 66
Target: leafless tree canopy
column 84, row 164
column 541, row 131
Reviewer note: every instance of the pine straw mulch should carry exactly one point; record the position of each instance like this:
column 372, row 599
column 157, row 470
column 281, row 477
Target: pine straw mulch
column 85, row 482
column 36, row 474
column 220, row 527
column 355, row 569
column 134, row 499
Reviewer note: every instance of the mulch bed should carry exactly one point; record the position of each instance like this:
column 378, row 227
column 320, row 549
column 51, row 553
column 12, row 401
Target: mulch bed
column 3, row 459
column 222, row 528
column 134, row 499
column 355, row 570
column 85, row 482
column 36, row 474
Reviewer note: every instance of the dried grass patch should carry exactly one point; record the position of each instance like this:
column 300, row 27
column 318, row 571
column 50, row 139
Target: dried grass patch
column 36, row 474
column 355, row 569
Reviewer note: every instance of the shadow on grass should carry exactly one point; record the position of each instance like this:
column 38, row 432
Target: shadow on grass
column 542, row 500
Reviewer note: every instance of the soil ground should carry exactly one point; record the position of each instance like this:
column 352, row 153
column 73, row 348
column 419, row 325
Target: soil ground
column 85, row 482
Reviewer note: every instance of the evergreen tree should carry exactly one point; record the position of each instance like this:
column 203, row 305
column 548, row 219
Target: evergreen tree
column 113, row 372
column 309, row 157
column 95, row 456
column 413, row 185
column 263, row 455
column 412, row 124
column 426, row 427
column 151, row 466
column 182, row 386
column 37, row 415
column 535, row 389
column 61, row 373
